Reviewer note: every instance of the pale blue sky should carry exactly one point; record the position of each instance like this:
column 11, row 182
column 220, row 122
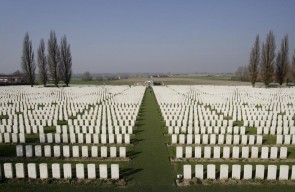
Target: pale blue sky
column 146, row 36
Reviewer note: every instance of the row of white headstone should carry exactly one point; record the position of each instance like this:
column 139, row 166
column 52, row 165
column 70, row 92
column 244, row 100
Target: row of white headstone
column 216, row 139
column 206, row 152
column 84, row 138
column 207, row 130
column 285, row 140
column 43, row 171
column 94, row 129
column 12, row 138
column 67, row 129
column 69, row 151
column 276, row 130
column 240, row 172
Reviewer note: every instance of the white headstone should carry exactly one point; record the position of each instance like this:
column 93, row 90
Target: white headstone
column 43, row 170
column 254, row 152
column 122, row 151
column 189, row 139
column 115, row 171
column 264, row 152
column 228, row 139
column 103, row 138
column 174, row 139
column 221, row 139
column 251, row 139
column 236, row 152
column 80, row 138
column 73, row 138
column 236, row 172
column 259, row 172
column 94, row 151
column 247, row 172
column 103, row 151
column 198, row 152
column 55, row 171
column 19, row 170
column 56, row 151
column 80, row 171
column 113, row 151
column 8, row 171
column 283, row 152
column 66, row 151
column 47, row 151
column 88, row 138
column 65, row 138
column 197, row 139
column 216, row 152
column 245, row 152
column 75, row 150
column 279, row 139
column 179, row 152
column 236, row 139
column 284, row 172
column 244, row 139
column 42, row 137
column 119, row 139
column 226, row 152
column 199, row 171
column 187, row 171
column 293, row 173
column 271, row 172
column 85, row 151
column 32, row 172
column 91, row 171
column 207, row 152
column 57, row 137
column 212, row 139
column 29, row 151
column 223, row 171
column 259, row 140
column 49, row 138
column 127, row 139
column 67, row 168
column 205, row 139
column 188, row 152
column 19, row 151
column 211, row 171
column 103, row 171
column 274, row 152
column 38, row 150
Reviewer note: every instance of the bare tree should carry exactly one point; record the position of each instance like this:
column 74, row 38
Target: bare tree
column 254, row 61
column 267, row 58
column 66, row 61
column 42, row 63
column 27, row 60
column 282, row 61
column 293, row 67
column 53, row 58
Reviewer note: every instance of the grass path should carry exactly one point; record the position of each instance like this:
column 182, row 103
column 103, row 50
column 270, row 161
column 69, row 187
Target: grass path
column 152, row 161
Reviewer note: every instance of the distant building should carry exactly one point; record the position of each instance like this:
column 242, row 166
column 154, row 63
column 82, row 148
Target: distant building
column 11, row 80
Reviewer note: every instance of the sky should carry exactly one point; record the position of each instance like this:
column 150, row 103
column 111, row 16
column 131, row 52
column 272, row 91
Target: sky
column 146, row 36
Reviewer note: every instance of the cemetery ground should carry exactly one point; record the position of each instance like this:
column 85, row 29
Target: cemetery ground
column 151, row 166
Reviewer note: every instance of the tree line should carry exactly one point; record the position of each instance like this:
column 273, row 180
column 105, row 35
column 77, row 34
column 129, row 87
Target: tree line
column 56, row 66
column 264, row 62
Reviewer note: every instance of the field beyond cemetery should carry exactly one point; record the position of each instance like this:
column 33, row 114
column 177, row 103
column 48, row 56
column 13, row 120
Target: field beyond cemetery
column 150, row 134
